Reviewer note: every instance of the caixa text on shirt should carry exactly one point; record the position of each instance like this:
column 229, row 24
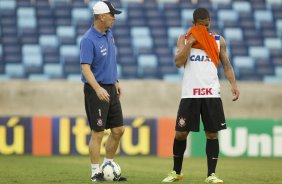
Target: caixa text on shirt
column 201, row 58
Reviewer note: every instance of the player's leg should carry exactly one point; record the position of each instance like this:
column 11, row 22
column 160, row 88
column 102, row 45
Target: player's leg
column 113, row 141
column 94, row 151
column 212, row 151
column 115, row 123
column 96, row 112
column 188, row 118
column 214, row 121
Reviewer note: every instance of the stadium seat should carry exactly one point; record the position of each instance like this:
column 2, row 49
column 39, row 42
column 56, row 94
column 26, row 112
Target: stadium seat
column 258, row 52
column 26, row 17
column 186, row 15
column 79, row 14
column 65, row 31
column 7, row 4
column 146, row 62
column 242, row 6
column 15, row 70
column 262, row 16
column 173, row 34
column 279, row 27
column 53, row 70
column 68, row 51
column 278, row 71
column 48, row 41
column 231, row 34
column 31, row 55
column 272, row 43
column 243, row 61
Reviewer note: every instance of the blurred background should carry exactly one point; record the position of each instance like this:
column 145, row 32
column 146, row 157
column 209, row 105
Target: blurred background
column 40, row 88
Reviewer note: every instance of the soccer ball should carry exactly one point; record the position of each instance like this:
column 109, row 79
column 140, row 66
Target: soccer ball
column 111, row 171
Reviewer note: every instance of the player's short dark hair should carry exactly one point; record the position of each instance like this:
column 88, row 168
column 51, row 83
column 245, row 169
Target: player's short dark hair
column 201, row 13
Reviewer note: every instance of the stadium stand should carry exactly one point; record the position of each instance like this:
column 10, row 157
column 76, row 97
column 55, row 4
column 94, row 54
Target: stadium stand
column 39, row 39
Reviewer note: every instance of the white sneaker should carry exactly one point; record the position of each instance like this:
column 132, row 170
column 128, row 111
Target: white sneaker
column 213, row 179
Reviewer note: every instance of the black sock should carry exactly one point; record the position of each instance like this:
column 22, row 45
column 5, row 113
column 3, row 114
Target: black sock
column 179, row 147
column 212, row 150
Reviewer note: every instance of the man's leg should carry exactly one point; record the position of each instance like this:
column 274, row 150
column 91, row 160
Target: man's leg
column 212, row 151
column 179, row 146
column 94, row 150
column 113, row 141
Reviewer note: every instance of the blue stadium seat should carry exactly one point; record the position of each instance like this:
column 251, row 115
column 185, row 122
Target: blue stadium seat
column 278, row 71
column 68, row 51
column 243, row 61
column 173, row 34
column 262, row 16
column 48, row 41
column 79, row 14
column 186, row 15
column 7, row 4
column 231, row 34
column 242, row 6
column 272, row 43
column 279, row 27
column 32, row 55
column 226, row 16
column 15, row 70
column 53, row 70
column 258, row 52
column 129, row 71
column 147, row 63
column 26, row 17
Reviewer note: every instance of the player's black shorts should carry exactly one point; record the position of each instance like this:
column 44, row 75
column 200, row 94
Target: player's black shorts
column 210, row 110
column 102, row 115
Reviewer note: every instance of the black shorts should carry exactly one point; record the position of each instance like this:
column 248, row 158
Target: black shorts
column 102, row 115
column 210, row 110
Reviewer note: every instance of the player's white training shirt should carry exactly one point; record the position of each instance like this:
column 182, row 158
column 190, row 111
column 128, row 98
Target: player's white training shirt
column 200, row 78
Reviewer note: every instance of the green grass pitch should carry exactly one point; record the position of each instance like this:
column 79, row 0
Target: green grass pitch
column 138, row 170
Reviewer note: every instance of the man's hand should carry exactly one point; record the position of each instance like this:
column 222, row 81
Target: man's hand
column 235, row 92
column 102, row 94
column 191, row 40
column 118, row 88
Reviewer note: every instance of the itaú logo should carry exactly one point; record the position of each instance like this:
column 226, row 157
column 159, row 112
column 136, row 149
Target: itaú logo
column 202, row 91
column 201, row 58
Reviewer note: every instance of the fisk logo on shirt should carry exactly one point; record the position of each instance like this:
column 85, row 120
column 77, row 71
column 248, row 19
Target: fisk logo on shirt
column 202, row 91
column 201, row 58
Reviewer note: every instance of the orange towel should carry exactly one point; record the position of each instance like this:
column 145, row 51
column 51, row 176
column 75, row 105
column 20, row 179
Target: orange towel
column 205, row 41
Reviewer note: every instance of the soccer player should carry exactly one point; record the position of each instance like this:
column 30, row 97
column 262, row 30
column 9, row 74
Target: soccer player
column 199, row 52
column 101, row 86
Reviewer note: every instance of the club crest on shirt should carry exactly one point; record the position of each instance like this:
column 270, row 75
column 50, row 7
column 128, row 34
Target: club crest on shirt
column 99, row 122
column 182, row 122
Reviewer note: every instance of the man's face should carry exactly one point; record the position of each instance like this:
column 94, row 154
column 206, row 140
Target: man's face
column 109, row 20
column 204, row 22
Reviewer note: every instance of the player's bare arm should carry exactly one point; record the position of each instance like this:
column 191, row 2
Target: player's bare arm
column 101, row 92
column 183, row 50
column 228, row 69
